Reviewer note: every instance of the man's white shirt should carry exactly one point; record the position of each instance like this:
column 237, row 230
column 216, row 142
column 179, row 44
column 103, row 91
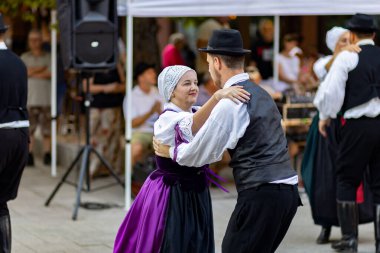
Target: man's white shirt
column 330, row 96
column 226, row 124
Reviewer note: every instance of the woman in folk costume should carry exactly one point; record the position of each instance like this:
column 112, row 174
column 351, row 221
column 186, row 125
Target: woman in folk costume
column 319, row 163
column 173, row 213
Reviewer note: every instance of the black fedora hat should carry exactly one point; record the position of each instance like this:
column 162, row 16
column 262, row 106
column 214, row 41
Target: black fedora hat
column 361, row 23
column 3, row 27
column 140, row 68
column 225, row 42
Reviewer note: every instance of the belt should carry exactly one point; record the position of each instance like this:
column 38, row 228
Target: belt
column 275, row 187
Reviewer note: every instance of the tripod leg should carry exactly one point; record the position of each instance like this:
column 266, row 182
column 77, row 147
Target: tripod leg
column 82, row 173
column 108, row 166
column 64, row 177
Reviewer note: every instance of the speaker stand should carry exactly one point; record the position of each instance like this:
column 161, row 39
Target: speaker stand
column 84, row 152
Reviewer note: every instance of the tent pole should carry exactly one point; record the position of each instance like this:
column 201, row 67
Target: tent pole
column 53, row 107
column 276, row 49
column 128, row 123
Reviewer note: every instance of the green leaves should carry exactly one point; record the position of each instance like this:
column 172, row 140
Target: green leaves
column 26, row 9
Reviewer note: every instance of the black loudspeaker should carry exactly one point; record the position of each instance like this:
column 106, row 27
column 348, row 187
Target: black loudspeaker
column 88, row 33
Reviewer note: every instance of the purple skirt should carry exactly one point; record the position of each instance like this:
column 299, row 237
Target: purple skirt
column 172, row 213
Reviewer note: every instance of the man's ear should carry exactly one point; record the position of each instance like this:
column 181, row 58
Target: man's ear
column 217, row 63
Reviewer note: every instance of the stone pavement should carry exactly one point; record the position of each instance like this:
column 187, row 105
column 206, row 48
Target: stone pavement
column 41, row 229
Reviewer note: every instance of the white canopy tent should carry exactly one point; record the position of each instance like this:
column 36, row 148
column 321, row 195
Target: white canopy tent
column 200, row 8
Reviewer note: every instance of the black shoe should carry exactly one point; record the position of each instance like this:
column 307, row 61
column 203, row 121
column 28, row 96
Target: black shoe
column 346, row 245
column 47, row 159
column 376, row 213
column 348, row 221
column 324, row 236
column 5, row 234
column 30, row 160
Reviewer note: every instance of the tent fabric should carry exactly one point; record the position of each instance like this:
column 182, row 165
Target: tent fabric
column 176, row 8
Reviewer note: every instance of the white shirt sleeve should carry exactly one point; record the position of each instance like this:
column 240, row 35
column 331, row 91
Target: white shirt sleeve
column 222, row 130
column 330, row 95
column 319, row 67
column 164, row 127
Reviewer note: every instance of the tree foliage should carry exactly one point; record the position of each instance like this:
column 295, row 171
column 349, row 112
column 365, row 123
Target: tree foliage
column 26, row 9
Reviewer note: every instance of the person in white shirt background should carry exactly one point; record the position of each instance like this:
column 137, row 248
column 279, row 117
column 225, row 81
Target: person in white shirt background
column 252, row 133
column 352, row 87
column 289, row 65
column 146, row 107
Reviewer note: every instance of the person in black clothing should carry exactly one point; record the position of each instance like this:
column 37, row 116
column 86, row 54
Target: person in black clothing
column 352, row 88
column 13, row 131
column 107, row 91
column 262, row 49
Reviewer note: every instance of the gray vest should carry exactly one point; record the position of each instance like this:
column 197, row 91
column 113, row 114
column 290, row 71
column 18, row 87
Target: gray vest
column 261, row 155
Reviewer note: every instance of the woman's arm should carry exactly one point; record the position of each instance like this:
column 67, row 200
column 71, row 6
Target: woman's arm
column 349, row 48
column 235, row 93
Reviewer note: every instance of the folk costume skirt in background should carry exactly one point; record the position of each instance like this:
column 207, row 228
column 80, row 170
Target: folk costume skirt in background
column 319, row 176
column 172, row 213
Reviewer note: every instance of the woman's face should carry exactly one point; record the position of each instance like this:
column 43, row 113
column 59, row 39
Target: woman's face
column 289, row 45
column 185, row 93
column 343, row 41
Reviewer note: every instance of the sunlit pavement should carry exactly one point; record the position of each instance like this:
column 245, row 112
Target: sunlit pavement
column 37, row 228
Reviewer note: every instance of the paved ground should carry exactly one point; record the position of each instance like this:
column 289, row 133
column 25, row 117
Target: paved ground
column 37, row 228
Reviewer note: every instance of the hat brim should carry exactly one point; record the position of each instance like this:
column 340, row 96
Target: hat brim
column 228, row 52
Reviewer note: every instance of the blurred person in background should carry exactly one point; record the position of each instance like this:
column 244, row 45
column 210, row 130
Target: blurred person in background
column 255, row 76
column 171, row 54
column 107, row 89
column 38, row 63
column 289, row 65
column 204, row 33
column 146, row 107
column 262, row 49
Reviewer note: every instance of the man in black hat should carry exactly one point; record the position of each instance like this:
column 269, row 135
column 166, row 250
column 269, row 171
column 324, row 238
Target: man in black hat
column 266, row 184
column 352, row 87
column 13, row 131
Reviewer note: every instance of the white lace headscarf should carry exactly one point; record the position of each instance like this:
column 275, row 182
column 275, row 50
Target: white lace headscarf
column 333, row 35
column 168, row 79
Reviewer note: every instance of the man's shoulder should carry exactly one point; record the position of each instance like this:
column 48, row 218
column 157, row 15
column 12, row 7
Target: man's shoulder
column 346, row 59
column 346, row 54
column 11, row 58
column 227, row 107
